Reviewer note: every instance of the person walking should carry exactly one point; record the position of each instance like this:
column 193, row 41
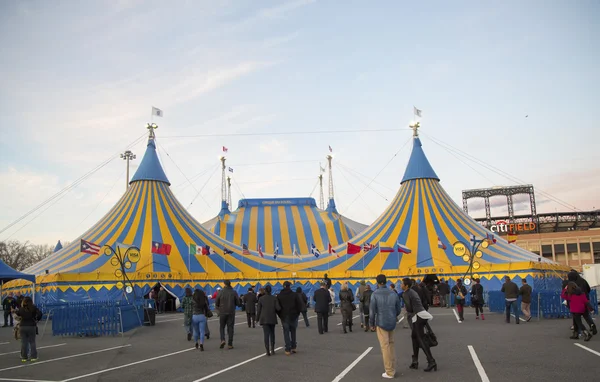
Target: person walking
column 477, row 298
column 365, row 302
column 250, row 300
column 162, row 300
column 304, row 310
column 578, row 306
column 384, row 310
column 444, row 290
column 574, row 276
column 359, row 293
column 418, row 318
column 227, row 301
column 266, row 315
column 511, row 293
column 459, row 291
column 346, row 305
column 199, row 311
column 187, row 306
column 525, row 293
column 322, row 300
column 332, row 303
column 291, row 306
column 8, row 304
column 30, row 315
column 327, row 281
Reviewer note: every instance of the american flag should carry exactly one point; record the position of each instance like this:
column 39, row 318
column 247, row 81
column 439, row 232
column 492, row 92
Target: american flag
column 245, row 250
column 89, row 247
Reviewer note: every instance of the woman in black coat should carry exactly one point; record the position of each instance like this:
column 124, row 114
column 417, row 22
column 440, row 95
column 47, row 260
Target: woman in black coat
column 266, row 315
column 304, row 304
column 346, row 302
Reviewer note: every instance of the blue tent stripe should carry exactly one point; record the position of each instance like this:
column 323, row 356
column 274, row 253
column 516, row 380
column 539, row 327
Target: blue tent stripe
column 424, row 255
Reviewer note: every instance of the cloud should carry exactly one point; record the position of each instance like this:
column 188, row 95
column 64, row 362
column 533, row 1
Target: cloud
column 274, row 147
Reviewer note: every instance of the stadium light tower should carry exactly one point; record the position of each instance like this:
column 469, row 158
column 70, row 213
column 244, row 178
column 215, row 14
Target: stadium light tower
column 127, row 156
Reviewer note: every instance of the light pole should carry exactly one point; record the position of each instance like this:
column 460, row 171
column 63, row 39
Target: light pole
column 127, row 155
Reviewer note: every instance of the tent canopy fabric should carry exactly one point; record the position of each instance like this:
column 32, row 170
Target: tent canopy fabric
column 7, row 274
column 284, row 223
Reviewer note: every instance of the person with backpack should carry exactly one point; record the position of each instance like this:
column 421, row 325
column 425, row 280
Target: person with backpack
column 459, row 291
column 30, row 315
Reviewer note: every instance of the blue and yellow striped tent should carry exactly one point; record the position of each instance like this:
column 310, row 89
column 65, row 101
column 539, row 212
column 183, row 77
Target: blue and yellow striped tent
column 420, row 214
column 284, row 223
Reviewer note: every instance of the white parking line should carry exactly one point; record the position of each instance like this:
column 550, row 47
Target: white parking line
column 351, row 366
column 456, row 315
column 4, row 343
column 24, row 380
column 126, row 365
column 519, row 318
column 231, row 367
column 40, row 347
column 172, row 319
column 588, row 349
column 61, row 358
column 352, row 318
column 400, row 320
column 482, row 374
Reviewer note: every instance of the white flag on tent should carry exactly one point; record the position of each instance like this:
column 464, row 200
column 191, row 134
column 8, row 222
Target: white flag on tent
column 417, row 112
column 157, row 112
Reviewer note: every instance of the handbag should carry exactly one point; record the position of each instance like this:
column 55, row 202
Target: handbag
column 430, row 337
column 208, row 313
column 353, row 307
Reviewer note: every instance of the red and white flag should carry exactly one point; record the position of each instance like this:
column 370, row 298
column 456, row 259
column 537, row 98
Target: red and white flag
column 331, row 250
column 89, row 247
column 260, row 252
column 225, row 149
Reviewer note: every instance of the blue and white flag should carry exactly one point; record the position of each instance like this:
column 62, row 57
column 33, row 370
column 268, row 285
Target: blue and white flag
column 276, row 252
column 315, row 251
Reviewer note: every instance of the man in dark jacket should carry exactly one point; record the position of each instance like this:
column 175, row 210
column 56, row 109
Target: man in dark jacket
column 511, row 293
column 327, row 281
column 227, row 301
column 365, row 302
column 322, row 300
column 585, row 288
column 162, row 300
column 250, row 302
column 444, row 290
column 291, row 306
column 304, row 306
column 525, row 293
column 8, row 304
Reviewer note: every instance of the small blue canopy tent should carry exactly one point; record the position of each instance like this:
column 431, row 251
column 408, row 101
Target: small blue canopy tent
column 7, row 274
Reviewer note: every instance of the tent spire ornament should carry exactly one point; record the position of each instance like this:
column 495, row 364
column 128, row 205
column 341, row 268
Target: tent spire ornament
column 415, row 127
column 151, row 127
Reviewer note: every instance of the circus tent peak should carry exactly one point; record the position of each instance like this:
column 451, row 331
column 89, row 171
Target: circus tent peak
column 150, row 167
column 58, row 247
column 418, row 165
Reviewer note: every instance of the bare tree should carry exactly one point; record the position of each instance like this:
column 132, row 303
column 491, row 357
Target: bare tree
column 20, row 256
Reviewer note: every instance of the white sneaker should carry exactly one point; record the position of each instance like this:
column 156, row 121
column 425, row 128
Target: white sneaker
column 386, row 376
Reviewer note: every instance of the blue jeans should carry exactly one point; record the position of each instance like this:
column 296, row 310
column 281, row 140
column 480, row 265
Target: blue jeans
column 289, row 333
column 198, row 323
column 512, row 304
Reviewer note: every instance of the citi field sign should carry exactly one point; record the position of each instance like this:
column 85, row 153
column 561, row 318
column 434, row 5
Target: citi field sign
column 504, row 226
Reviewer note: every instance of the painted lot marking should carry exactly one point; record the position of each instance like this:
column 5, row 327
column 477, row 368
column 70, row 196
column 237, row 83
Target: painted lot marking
column 482, row 374
column 351, row 366
column 126, row 365
column 40, row 347
column 456, row 315
column 588, row 349
column 231, row 367
column 520, row 319
column 352, row 318
column 61, row 358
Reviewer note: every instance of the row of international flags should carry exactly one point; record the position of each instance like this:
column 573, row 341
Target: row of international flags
column 159, row 248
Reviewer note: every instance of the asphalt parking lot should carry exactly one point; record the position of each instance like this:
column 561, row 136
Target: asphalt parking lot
column 474, row 350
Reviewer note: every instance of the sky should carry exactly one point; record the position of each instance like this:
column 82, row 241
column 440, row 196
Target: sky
column 512, row 84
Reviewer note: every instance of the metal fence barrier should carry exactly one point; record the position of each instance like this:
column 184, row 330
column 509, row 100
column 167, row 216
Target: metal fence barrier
column 544, row 303
column 96, row 318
